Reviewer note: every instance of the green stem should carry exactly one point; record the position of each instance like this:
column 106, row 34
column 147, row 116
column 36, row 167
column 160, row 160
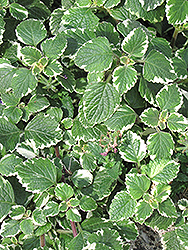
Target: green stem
column 138, row 167
column 174, row 37
column 42, row 240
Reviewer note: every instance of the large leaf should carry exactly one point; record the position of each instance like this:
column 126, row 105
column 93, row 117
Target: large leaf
column 157, row 68
column 162, row 171
column 136, row 43
column 100, row 101
column 167, row 208
column 150, row 4
column 37, row 175
column 170, row 98
column 23, row 82
column 55, row 20
column 177, row 122
column 30, row 55
column 143, row 211
column 80, row 17
column 123, row 119
column 9, row 134
column 13, row 114
column 43, row 130
column 160, row 145
column 54, row 47
column 133, row 148
column 31, row 32
column 122, row 206
column 99, row 55
column 137, row 185
column 10, row 228
column 8, row 164
column 177, row 11
column 18, row 11
column 6, row 197
column 150, row 117
column 6, row 74
column 124, row 78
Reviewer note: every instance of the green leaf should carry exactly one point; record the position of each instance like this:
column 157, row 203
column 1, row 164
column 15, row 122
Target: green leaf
column 106, row 239
column 176, row 11
column 77, row 242
column 161, row 45
column 18, row 11
column 82, row 178
column 150, row 117
column 137, row 185
column 6, row 198
column 111, row 3
column 6, row 74
column 27, row 226
column 43, row 229
column 23, row 82
column 56, row 113
column 13, row 114
column 26, row 150
column 150, row 4
column 64, row 191
column 30, row 55
column 87, row 203
column 88, row 162
column 124, row 78
column 182, row 233
column 160, row 145
column 156, row 221
column 136, row 43
column 66, row 79
column 143, row 211
column 55, row 20
column 170, row 98
column 38, row 217
column 161, row 170
column 9, row 99
column 107, row 30
column 148, row 90
column 100, row 101
column 123, row 119
column 43, row 130
column 177, row 122
column 10, row 228
column 157, row 68
column 167, row 208
column 54, row 47
column 161, row 192
column 180, row 67
column 73, row 215
column 99, row 55
column 31, row 32
column 53, row 69
column 37, row 175
column 171, row 241
column 17, row 212
column 8, row 164
column 80, row 17
column 121, row 14
column 95, row 223
column 9, row 134
column 133, row 148
column 122, row 206
column 51, row 209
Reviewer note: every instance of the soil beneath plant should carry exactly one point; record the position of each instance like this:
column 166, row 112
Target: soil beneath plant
column 148, row 239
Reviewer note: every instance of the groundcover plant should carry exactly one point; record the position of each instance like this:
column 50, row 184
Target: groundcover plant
column 93, row 123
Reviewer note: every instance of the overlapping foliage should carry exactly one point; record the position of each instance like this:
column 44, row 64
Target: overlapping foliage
column 93, row 123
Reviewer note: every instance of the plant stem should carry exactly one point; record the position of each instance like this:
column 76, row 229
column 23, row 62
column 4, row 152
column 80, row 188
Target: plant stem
column 42, row 240
column 73, row 226
column 138, row 167
column 174, row 37
column 57, row 152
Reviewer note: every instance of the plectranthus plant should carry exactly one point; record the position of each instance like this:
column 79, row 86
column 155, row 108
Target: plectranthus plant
column 93, row 123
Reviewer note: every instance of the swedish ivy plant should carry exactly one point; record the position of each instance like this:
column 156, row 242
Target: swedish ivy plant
column 93, row 123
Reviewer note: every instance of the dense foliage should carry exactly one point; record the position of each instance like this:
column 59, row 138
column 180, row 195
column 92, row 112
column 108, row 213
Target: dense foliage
column 93, row 123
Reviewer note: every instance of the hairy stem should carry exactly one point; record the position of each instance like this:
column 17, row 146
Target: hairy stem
column 73, row 226
column 42, row 240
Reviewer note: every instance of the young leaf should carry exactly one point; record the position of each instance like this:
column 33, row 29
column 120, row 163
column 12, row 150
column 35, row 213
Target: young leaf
column 177, row 122
column 100, row 101
column 38, row 217
column 137, row 185
column 123, row 119
column 8, row 164
column 150, row 117
column 9, row 134
column 88, row 162
column 87, row 203
column 30, row 55
column 73, row 215
column 6, row 198
column 82, row 178
column 160, row 145
column 170, row 98
column 122, row 206
column 17, row 212
column 43, row 131
column 176, row 11
column 99, row 55
column 161, row 192
column 51, row 209
column 64, row 191
column 157, row 68
column 27, row 226
column 37, row 175
column 124, row 78
column 136, row 43
column 143, row 211
column 133, row 148
column 53, row 69
column 161, row 170
column 31, row 32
